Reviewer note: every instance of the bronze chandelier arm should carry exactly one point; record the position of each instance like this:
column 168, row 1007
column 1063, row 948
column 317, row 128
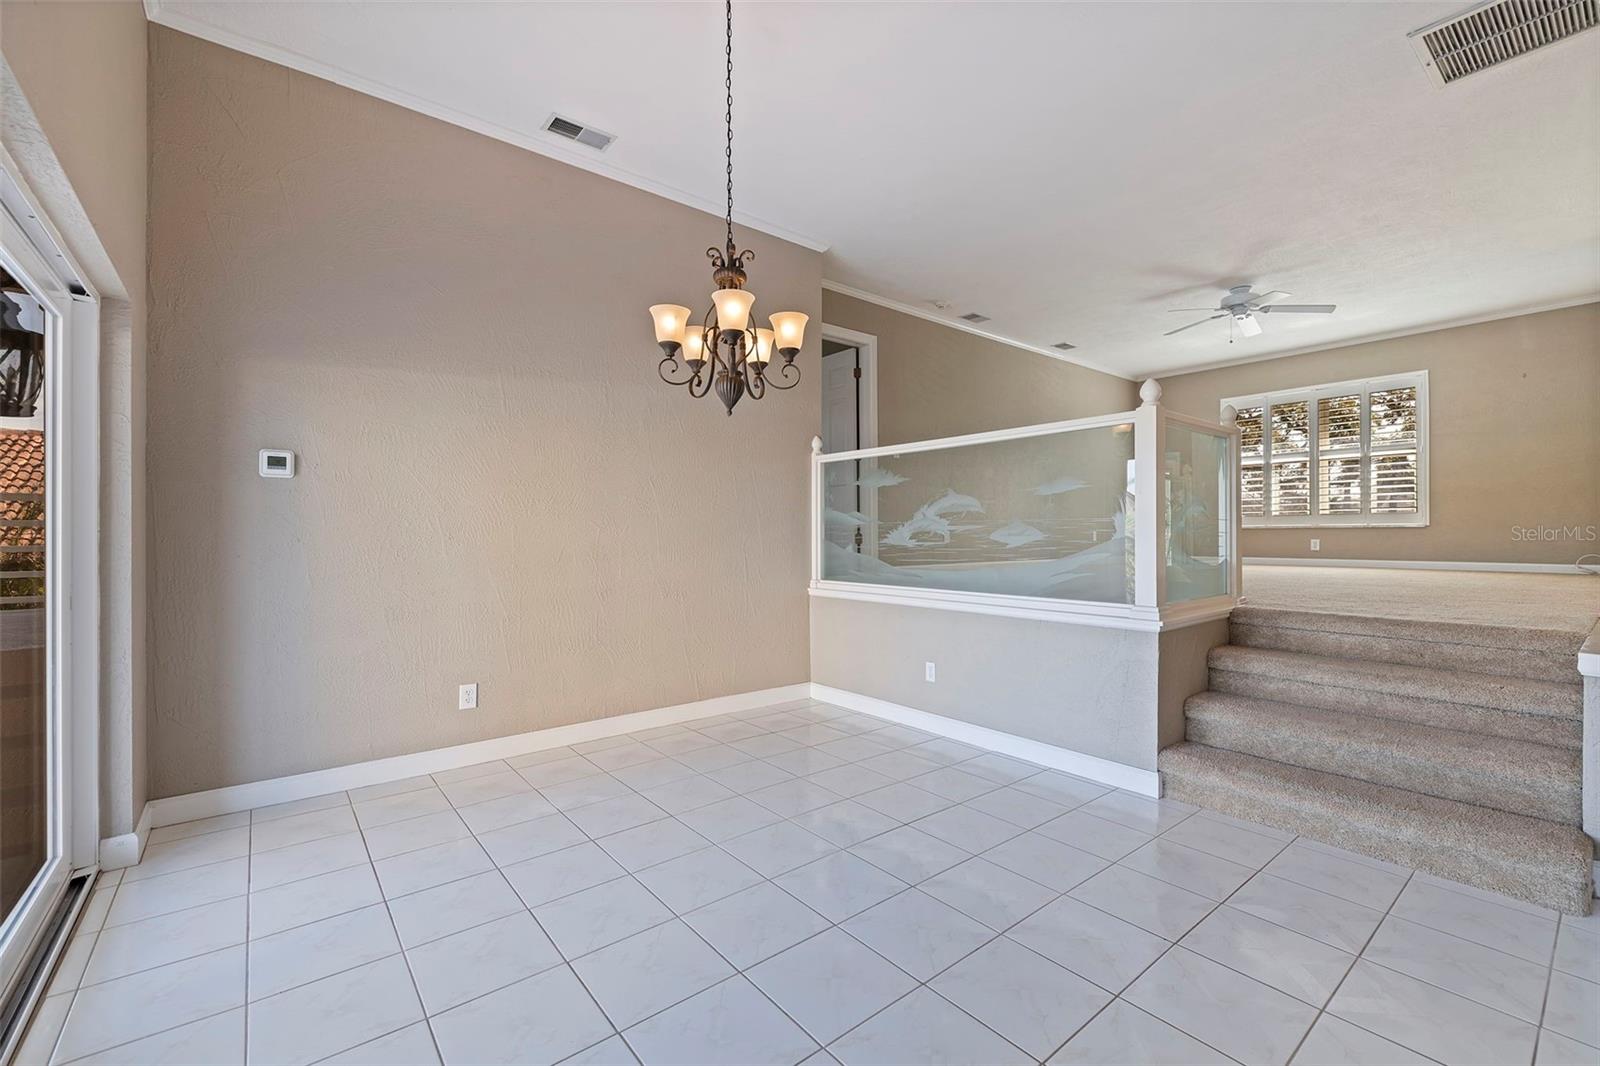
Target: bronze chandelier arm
column 788, row 372
column 696, row 389
column 661, row 369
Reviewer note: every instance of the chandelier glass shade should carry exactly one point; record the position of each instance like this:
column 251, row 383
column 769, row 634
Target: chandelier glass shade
column 726, row 351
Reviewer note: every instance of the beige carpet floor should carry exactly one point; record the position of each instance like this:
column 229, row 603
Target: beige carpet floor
column 1541, row 601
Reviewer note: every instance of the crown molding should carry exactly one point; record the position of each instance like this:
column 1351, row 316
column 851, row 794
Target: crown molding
column 541, row 143
column 1372, row 338
column 956, row 323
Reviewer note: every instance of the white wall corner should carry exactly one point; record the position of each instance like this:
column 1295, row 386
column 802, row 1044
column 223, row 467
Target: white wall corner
column 127, row 849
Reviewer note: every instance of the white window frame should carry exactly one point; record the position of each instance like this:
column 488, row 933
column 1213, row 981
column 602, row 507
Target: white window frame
column 1311, row 396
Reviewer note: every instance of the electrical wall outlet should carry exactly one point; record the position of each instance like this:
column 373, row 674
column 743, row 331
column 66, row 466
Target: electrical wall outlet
column 468, row 699
column 1316, row 545
column 927, row 672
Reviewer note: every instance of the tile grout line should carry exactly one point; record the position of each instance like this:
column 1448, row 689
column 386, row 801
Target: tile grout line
column 149, row 1036
column 249, row 870
column 1544, row 1002
column 1360, row 955
column 925, row 984
column 1171, row 944
column 405, row 960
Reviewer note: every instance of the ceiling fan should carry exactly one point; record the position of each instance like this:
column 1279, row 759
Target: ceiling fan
column 1241, row 305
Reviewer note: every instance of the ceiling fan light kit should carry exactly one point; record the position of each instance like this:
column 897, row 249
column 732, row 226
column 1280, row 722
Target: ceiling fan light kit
column 1242, row 306
column 739, row 355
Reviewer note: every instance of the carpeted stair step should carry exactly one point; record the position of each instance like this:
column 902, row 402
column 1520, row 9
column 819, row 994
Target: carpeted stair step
column 1516, row 708
column 1408, row 643
column 1563, row 642
column 1527, row 858
column 1536, row 780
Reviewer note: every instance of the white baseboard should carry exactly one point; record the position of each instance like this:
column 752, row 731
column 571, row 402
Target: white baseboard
column 234, row 798
column 125, row 850
column 1120, row 775
column 1420, row 564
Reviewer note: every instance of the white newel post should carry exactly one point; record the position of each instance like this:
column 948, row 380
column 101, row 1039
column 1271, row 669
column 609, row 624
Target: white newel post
column 1235, row 487
column 1149, row 444
column 814, row 521
column 1589, row 668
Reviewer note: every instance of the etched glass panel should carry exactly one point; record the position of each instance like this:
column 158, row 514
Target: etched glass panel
column 1195, row 481
column 1046, row 516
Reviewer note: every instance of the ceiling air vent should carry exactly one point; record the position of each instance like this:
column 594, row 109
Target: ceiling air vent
column 1063, row 346
column 974, row 317
column 1492, row 33
column 575, row 131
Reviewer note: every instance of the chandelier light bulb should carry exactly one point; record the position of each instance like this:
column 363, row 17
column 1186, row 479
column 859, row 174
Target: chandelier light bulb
column 790, row 327
column 733, row 309
column 670, row 322
column 764, row 343
column 694, row 345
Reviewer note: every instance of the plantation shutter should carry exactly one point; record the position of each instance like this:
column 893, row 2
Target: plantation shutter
column 1252, row 494
column 1345, row 454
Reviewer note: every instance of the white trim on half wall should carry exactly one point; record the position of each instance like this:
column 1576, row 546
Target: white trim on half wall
column 1421, row 564
column 1116, row 774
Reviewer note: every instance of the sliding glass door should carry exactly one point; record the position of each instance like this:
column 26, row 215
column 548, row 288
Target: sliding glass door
column 35, row 307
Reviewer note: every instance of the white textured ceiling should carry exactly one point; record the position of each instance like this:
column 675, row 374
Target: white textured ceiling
column 1070, row 170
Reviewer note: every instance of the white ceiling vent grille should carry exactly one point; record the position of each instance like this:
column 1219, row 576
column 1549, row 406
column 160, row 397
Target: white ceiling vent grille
column 1493, row 33
column 577, row 131
column 974, row 317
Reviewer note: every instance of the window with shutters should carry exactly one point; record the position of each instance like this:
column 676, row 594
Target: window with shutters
column 1349, row 453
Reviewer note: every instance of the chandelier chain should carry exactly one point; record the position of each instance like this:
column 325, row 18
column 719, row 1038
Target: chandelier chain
column 728, row 118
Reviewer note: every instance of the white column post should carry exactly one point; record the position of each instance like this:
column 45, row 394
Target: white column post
column 1589, row 668
column 1149, row 508
column 815, row 518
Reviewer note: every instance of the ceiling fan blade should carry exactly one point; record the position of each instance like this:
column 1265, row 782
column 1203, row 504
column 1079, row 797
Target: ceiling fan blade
column 1268, row 297
column 1175, row 310
column 1299, row 309
column 1191, row 325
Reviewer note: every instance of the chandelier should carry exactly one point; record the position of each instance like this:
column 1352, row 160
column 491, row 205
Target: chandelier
column 725, row 351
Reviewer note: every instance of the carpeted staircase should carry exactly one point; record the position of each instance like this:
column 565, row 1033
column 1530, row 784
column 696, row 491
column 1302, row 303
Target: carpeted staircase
column 1451, row 747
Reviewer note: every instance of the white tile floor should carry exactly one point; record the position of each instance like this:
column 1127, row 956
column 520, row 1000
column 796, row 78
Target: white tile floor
column 756, row 887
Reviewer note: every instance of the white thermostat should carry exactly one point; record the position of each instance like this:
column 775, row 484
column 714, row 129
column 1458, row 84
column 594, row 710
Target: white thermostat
column 275, row 462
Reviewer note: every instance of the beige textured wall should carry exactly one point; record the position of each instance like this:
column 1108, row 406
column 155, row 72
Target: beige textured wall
column 935, row 381
column 78, row 134
column 1083, row 688
column 1515, row 436
column 494, row 485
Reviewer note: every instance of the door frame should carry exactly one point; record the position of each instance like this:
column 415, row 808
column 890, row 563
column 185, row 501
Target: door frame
column 34, row 249
column 866, row 346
